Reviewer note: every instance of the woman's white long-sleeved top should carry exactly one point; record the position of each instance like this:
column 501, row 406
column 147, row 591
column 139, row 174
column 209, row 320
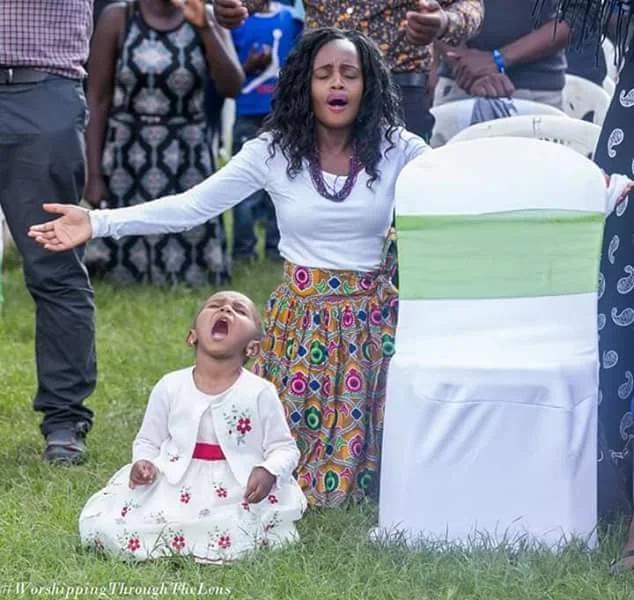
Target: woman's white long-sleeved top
column 314, row 231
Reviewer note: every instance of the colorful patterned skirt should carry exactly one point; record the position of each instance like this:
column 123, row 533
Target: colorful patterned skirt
column 329, row 339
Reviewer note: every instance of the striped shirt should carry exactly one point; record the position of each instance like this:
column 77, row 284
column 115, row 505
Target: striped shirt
column 49, row 35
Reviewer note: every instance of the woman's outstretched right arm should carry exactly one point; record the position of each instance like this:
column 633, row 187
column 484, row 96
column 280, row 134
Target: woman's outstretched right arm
column 244, row 174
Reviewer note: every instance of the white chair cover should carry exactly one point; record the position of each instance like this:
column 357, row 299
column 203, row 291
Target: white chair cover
column 584, row 99
column 491, row 408
column 578, row 135
column 453, row 117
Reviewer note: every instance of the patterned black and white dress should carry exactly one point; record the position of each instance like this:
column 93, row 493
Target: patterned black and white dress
column 156, row 145
column 615, row 154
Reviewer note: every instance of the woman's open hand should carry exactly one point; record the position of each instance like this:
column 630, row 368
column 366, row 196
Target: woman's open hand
column 72, row 229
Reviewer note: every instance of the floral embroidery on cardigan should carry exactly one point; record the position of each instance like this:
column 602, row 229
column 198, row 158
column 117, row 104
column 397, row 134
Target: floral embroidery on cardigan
column 239, row 424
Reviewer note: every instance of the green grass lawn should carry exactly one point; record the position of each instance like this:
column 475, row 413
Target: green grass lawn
column 140, row 336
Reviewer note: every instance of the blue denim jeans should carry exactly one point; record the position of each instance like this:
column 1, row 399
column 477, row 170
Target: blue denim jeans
column 257, row 207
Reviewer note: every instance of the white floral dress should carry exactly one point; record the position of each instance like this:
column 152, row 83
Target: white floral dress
column 204, row 516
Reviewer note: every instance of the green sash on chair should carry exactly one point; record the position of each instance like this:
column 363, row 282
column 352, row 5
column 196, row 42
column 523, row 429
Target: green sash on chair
column 516, row 254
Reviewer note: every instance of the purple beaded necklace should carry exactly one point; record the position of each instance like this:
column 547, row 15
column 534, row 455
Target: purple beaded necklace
column 314, row 168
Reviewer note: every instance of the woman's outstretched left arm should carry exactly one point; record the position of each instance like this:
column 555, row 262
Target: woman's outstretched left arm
column 244, row 174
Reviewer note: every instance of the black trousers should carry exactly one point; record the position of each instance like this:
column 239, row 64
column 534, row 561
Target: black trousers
column 42, row 160
column 416, row 103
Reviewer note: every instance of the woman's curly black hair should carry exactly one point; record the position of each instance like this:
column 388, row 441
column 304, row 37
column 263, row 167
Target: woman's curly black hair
column 291, row 122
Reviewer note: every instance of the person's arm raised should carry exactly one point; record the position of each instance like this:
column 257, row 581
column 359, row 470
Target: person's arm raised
column 222, row 60
column 244, row 174
column 232, row 13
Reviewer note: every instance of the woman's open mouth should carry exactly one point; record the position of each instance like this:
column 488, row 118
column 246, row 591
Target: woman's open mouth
column 220, row 329
column 337, row 102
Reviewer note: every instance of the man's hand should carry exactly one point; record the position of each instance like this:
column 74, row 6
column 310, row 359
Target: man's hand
column 493, row 85
column 143, row 472
column 468, row 65
column 259, row 485
column 230, row 13
column 427, row 24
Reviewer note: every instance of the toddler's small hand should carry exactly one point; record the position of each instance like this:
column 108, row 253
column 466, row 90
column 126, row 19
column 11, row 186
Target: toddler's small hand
column 259, row 485
column 143, row 472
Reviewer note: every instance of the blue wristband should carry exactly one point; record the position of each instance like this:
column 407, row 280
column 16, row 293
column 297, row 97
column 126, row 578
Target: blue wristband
column 499, row 61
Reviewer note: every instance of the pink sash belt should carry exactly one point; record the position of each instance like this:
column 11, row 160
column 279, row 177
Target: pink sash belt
column 208, row 452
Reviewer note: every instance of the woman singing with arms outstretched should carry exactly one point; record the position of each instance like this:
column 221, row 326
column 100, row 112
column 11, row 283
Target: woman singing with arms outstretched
column 329, row 157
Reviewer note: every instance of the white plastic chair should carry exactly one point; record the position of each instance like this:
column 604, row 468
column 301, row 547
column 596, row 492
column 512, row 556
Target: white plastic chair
column 585, row 100
column 227, row 121
column 453, row 117
column 578, row 135
column 610, row 53
column 491, row 407
column 609, row 86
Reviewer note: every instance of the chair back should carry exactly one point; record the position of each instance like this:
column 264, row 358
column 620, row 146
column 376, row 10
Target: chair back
column 577, row 135
column 609, row 86
column 499, row 239
column 453, row 117
column 585, row 100
column 610, row 59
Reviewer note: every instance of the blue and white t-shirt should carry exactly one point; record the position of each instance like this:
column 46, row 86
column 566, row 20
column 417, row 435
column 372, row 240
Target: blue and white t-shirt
column 298, row 8
column 277, row 29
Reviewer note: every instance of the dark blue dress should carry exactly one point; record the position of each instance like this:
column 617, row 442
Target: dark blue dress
column 615, row 154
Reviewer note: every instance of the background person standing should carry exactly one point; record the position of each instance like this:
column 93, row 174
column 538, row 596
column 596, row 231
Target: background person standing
column 149, row 62
column 43, row 47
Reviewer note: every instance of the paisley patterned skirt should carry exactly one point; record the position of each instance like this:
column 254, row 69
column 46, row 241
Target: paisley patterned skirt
column 329, row 339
